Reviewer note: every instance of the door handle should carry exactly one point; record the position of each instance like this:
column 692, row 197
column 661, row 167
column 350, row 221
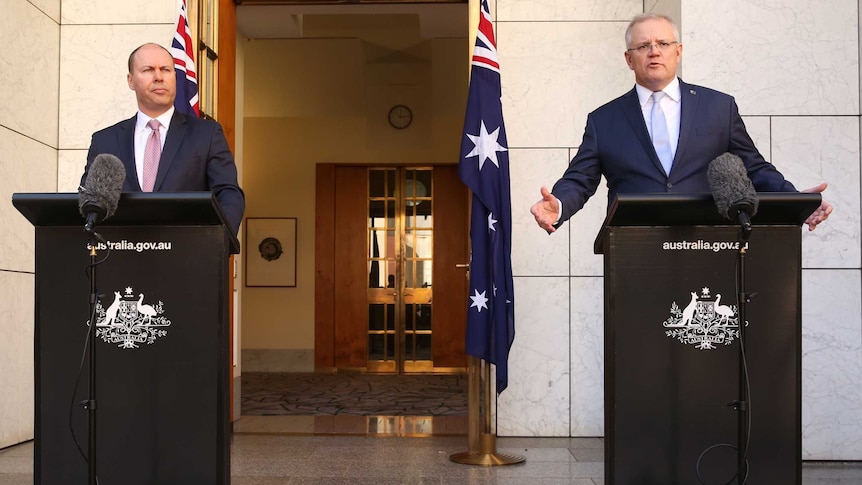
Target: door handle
column 464, row 265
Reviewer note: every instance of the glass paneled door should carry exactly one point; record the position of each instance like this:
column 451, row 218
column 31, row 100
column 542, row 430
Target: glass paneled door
column 390, row 285
column 400, row 269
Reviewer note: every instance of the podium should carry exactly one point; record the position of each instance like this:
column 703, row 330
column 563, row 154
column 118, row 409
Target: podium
column 672, row 354
column 162, row 340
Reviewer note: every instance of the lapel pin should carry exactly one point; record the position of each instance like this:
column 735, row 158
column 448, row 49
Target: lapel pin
column 692, row 91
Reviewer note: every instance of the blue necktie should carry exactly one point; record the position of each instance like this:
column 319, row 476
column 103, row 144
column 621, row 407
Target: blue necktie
column 660, row 137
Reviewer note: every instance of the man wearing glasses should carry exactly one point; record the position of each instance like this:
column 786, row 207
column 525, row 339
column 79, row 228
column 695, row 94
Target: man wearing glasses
column 659, row 137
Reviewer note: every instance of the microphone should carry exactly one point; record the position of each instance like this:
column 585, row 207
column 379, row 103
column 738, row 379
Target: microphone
column 733, row 191
column 98, row 198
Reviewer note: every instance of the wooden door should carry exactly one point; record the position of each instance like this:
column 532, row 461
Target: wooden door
column 378, row 305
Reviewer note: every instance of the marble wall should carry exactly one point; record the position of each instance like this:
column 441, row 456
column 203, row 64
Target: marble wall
column 794, row 68
column 29, row 33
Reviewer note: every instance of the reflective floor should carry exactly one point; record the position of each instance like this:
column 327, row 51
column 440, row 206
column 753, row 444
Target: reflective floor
column 401, row 450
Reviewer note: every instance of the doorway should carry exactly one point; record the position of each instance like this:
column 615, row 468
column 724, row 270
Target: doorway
column 391, row 285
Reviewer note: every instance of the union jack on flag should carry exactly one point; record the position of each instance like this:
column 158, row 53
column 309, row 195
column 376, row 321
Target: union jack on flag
column 484, row 168
column 182, row 50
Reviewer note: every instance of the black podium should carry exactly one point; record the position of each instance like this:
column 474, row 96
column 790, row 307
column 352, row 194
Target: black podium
column 162, row 340
column 672, row 362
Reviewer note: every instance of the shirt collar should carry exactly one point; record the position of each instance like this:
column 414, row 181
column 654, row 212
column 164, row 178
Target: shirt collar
column 672, row 90
column 164, row 119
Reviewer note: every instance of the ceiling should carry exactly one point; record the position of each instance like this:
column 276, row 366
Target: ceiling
column 268, row 20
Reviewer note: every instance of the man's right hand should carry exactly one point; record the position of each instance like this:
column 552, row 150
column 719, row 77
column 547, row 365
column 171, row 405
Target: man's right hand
column 546, row 211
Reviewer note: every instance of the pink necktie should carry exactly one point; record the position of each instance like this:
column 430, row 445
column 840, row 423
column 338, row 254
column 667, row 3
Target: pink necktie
column 152, row 153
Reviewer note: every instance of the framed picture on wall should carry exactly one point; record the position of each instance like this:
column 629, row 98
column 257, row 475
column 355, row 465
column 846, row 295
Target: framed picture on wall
column 270, row 251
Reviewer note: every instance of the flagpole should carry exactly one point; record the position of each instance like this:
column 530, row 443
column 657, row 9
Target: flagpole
column 482, row 442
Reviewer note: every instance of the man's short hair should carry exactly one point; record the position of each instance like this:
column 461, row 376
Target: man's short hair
column 649, row 16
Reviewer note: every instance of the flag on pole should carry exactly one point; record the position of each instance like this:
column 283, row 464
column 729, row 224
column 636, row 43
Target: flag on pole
column 484, row 168
column 182, row 49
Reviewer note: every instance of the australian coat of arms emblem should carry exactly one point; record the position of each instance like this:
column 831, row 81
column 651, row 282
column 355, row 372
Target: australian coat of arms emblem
column 704, row 322
column 128, row 322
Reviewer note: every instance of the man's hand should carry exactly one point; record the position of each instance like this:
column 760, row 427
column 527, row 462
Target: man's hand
column 546, row 211
column 822, row 212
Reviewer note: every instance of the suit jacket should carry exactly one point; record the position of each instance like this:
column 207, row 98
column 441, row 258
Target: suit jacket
column 195, row 157
column 617, row 145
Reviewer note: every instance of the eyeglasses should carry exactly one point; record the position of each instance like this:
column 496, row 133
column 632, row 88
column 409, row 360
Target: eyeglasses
column 661, row 45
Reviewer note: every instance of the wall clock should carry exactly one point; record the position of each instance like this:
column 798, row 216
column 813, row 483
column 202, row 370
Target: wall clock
column 400, row 116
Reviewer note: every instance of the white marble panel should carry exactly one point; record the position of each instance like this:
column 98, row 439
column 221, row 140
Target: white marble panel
column 557, row 10
column 536, row 402
column 759, row 128
column 94, row 93
column 810, row 150
column 777, row 57
column 92, row 12
column 554, row 74
column 70, row 167
column 25, row 166
column 30, row 66
column 587, row 350
column 831, row 365
column 534, row 251
column 583, row 228
column 51, row 8
column 16, row 357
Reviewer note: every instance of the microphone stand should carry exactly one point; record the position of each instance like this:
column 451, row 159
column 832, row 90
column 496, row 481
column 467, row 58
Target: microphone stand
column 741, row 404
column 90, row 403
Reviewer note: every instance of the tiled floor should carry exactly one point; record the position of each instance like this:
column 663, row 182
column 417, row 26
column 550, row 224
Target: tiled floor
column 383, row 451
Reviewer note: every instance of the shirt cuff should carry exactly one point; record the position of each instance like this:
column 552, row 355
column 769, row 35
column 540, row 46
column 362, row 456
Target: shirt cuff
column 560, row 212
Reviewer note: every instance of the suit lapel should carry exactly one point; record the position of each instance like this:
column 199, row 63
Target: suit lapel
column 126, row 148
column 688, row 108
column 632, row 109
column 176, row 134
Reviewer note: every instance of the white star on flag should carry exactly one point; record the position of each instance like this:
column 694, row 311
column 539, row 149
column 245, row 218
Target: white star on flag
column 485, row 146
column 491, row 222
column 479, row 301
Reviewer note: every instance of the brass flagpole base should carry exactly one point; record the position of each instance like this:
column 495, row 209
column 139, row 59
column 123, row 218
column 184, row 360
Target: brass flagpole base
column 488, row 455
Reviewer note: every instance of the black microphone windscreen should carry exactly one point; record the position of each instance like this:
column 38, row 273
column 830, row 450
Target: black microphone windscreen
column 101, row 190
column 731, row 187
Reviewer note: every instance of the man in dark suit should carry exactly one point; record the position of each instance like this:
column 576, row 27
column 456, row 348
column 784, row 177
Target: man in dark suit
column 660, row 136
column 164, row 150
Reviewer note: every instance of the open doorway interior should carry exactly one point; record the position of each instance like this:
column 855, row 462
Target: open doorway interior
column 320, row 84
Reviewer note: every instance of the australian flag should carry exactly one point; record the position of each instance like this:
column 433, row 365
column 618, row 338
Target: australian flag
column 182, row 49
column 484, row 168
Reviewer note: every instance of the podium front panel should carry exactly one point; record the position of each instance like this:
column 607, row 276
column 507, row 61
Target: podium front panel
column 162, row 361
column 672, row 354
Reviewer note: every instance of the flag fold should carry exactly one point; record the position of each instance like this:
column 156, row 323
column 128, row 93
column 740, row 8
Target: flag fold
column 484, row 168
